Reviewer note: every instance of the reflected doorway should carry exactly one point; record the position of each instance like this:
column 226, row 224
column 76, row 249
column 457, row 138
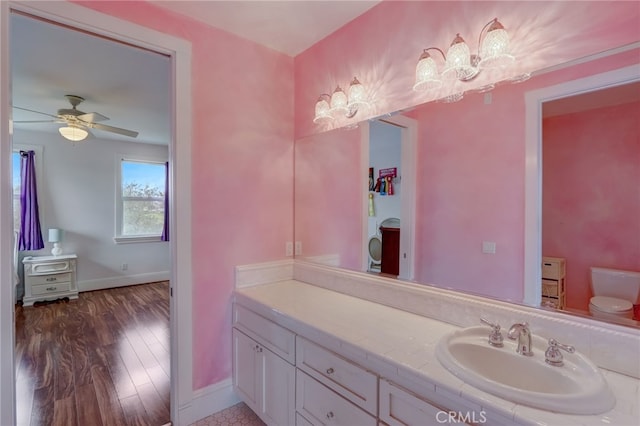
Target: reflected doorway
column 389, row 155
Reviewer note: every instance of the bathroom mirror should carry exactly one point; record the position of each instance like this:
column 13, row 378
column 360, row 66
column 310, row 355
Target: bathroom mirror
column 469, row 223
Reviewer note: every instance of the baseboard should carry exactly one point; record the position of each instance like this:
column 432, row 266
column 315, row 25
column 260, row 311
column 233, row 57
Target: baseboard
column 122, row 281
column 207, row 401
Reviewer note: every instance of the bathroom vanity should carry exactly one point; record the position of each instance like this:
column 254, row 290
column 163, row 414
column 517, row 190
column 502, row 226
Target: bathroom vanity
column 305, row 352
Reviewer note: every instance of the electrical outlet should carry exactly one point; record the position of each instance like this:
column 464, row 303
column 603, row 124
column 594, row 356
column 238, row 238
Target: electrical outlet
column 288, row 249
column 124, row 266
column 298, row 248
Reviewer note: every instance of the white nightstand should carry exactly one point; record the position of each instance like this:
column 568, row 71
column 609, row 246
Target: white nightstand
column 49, row 278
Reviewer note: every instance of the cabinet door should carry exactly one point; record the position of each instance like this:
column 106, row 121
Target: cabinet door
column 246, row 374
column 278, row 389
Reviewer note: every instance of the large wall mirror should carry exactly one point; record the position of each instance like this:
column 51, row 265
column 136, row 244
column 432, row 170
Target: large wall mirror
column 469, row 228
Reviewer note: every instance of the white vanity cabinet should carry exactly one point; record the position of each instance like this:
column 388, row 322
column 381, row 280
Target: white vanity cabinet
column 49, row 278
column 333, row 390
column 263, row 373
column 400, row 407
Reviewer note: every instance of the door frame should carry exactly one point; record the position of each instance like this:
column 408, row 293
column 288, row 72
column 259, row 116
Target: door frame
column 409, row 137
column 533, row 165
column 179, row 51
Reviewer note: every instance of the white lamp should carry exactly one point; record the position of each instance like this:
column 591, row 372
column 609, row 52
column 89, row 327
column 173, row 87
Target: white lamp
column 55, row 236
column 73, row 133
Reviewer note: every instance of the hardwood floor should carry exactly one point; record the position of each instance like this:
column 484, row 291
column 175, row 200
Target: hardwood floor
column 100, row 360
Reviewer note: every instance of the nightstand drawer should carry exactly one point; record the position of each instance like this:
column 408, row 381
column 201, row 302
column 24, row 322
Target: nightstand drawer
column 51, row 267
column 50, row 279
column 39, row 290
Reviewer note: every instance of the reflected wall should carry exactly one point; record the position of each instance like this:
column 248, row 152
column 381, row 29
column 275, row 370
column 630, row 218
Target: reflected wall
column 470, row 187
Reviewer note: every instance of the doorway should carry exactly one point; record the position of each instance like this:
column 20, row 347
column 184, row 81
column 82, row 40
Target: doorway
column 533, row 171
column 179, row 51
column 389, row 143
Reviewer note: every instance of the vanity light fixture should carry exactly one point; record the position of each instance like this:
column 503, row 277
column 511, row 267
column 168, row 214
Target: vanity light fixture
column 341, row 104
column 460, row 64
column 73, row 133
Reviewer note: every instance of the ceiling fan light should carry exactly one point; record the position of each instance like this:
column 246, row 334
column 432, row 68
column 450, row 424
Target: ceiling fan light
column 73, row 133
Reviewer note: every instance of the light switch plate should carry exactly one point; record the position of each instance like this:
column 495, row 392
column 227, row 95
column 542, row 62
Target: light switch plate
column 489, row 247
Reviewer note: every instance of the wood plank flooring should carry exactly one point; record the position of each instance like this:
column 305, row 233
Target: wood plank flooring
column 100, row 360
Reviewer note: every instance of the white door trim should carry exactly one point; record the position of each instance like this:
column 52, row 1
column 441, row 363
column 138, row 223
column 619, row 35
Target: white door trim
column 409, row 138
column 533, row 165
column 180, row 176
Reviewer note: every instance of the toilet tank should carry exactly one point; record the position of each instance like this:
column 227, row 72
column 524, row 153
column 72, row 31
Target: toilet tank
column 616, row 283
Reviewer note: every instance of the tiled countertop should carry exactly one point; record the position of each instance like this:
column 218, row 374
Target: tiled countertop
column 400, row 346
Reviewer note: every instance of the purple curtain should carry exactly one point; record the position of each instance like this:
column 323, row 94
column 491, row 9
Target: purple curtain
column 165, row 228
column 30, row 232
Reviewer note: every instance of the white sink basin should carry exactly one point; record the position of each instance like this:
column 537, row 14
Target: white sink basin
column 577, row 387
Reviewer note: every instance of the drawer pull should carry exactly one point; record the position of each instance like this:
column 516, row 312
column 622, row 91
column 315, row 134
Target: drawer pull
column 52, row 288
column 52, row 279
column 330, row 371
column 330, row 415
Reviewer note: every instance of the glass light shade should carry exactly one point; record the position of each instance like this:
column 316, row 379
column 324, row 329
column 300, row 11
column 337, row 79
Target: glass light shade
column 339, row 101
column 427, row 77
column 322, row 111
column 357, row 95
column 458, row 56
column 494, row 50
column 73, row 133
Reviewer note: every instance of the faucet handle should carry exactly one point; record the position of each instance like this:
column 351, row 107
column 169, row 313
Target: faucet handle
column 495, row 337
column 553, row 356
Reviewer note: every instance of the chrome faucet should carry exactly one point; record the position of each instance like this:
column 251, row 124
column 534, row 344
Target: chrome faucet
column 521, row 332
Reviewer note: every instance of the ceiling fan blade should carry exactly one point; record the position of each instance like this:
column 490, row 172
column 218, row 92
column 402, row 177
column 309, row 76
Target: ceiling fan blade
column 38, row 121
column 112, row 129
column 37, row 112
column 92, row 117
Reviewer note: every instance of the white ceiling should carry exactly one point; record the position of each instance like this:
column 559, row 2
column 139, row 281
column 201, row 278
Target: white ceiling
column 130, row 85
column 289, row 26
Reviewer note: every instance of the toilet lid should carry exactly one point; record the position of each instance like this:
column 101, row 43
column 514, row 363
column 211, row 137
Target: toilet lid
column 611, row 304
column 375, row 248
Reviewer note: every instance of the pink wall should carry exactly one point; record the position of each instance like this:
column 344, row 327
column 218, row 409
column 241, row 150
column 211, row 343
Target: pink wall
column 242, row 168
column 382, row 46
column 328, row 196
column 470, row 180
column 243, row 122
column 591, row 193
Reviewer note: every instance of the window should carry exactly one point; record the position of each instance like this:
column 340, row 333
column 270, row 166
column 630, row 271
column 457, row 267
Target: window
column 141, row 201
column 15, row 166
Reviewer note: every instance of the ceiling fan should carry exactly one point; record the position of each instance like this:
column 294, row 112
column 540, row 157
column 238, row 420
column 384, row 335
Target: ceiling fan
column 78, row 122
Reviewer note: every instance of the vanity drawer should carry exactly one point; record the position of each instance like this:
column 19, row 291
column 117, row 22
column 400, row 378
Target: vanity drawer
column 550, row 288
column 50, row 279
column 399, row 407
column 319, row 405
column 43, row 289
column 348, row 379
column 274, row 337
